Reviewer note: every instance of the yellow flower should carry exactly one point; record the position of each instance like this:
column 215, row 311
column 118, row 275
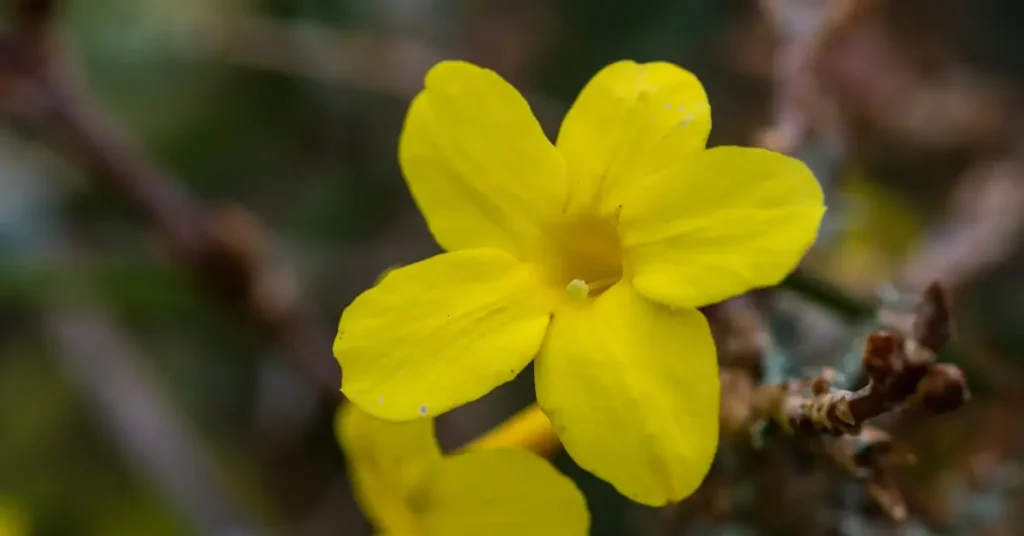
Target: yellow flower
column 591, row 255
column 407, row 488
column 879, row 229
column 13, row 521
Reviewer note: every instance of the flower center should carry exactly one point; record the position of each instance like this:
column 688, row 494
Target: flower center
column 586, row 258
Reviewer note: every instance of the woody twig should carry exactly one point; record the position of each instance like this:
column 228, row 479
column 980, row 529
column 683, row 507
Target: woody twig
column 903, row 373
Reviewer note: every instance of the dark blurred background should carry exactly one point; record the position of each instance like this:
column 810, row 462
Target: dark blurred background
column 191, row 192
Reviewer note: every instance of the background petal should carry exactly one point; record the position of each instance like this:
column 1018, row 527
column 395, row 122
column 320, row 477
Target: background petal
column 632, row 389
column 629, row 122
column 724, row 221
column 387, row 460
column 502, row 492
column 439, row 333
column 477, row 162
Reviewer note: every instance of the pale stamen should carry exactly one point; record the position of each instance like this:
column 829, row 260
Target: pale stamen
column 578, row 289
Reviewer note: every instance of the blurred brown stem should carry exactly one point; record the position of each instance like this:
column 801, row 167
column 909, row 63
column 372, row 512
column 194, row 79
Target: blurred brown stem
column 226, row 248
column 153, row 436
column 985, row 223
column 800, row 30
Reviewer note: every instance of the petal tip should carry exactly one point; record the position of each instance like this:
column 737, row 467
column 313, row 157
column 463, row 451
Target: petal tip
column 444, row 71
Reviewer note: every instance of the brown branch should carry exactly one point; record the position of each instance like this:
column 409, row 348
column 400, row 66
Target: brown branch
column 901, row 369
column 870, row 455
column 224, row 247
column 902, row 373
column 801, row 30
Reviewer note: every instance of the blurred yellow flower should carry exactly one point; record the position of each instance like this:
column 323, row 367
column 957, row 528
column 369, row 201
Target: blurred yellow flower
column 879, row 230
column 591, row 254
column 407, row 488
column 13, row 521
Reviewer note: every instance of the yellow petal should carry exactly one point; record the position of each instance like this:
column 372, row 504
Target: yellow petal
column 503, row 492
column 387, row 461
column 478, row 163
column 441, row 332
column 630, row 121
column 632, row 389
column 529, row 429
column 722, row 222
